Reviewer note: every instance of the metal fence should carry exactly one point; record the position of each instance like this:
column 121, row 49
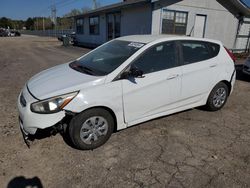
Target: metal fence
column 47, row 33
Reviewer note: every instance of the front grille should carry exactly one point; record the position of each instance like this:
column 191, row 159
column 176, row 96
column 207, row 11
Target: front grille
column 22, row 101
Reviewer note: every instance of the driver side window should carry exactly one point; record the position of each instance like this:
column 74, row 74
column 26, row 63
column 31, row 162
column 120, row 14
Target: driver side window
column 157, row 58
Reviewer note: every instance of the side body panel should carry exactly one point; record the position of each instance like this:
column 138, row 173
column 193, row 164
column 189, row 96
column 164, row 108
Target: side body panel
column 108, row 95
column 155, row 93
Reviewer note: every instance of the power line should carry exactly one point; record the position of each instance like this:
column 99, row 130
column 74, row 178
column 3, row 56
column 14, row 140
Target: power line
column 66, row 4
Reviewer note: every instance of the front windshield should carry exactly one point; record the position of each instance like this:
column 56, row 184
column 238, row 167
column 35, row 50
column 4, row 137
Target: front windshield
column 107, row 58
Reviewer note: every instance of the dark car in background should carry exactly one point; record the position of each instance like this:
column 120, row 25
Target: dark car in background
column 15, row 33
column 246, row 66
column 8, row 33
column 71, row 36
column 3, row 33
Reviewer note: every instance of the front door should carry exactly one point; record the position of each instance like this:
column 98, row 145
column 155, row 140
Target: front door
column 159, row 89
column 113, row 25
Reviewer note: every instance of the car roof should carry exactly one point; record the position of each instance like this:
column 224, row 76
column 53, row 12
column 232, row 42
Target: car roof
column 153, row 38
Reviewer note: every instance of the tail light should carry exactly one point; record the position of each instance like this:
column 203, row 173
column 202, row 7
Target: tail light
column 230, row 54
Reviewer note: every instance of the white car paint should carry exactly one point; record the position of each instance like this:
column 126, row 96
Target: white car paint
column 61, row 79
column 157, row 94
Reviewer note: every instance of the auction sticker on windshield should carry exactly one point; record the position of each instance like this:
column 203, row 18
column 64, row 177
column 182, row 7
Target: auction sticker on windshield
column 136, row 44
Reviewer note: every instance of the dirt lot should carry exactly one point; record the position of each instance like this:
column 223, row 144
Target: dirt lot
column 189, row 149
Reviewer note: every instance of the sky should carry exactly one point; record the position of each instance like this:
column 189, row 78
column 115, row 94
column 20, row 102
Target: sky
column 22, row 9
column 247, row 2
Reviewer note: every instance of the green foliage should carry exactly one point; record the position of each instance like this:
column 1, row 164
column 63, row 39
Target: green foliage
column 40, row 23
column 12, row 24
column 5, row 22
column 29, row 24
column 73, row 12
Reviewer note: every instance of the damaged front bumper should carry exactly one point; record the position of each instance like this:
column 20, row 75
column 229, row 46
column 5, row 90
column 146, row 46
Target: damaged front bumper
column 29, row 121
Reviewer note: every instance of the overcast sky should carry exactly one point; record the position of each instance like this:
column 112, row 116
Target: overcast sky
column 22, row 9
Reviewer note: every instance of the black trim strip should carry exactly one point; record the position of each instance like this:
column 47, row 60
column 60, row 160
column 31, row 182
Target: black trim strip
column 232, row 76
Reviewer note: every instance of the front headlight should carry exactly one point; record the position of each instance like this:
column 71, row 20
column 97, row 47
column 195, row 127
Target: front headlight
column 52, row 105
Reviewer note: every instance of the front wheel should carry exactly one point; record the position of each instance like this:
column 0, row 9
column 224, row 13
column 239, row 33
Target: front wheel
column 91, row 128
column 218, row 97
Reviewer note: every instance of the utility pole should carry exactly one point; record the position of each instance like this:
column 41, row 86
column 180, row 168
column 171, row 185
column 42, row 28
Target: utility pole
column 53, row 14
column 43, row 24
column 94, row 4
column 36, row 23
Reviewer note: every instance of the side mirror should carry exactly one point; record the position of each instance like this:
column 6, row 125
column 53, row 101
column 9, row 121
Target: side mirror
column 132, row 72
column 135, row 72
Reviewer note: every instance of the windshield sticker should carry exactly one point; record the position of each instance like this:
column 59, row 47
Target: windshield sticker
column 136, row 44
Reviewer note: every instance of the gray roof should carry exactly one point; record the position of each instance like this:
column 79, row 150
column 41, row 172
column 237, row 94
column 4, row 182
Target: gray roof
column 115, row 7
column 236, row 7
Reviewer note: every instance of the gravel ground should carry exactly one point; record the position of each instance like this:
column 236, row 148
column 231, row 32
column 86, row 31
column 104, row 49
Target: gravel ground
column 194, row 148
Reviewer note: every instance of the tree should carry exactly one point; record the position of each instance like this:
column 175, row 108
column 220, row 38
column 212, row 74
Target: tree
column 29, row 24
column 5, row 22
column 73, row 12
column 85, row 9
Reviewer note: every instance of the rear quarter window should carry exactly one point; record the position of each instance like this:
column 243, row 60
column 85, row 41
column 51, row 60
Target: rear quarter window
column 197, row 51
column 214, row 49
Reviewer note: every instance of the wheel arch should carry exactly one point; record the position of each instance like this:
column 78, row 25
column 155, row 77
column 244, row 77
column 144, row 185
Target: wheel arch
column 228, row 85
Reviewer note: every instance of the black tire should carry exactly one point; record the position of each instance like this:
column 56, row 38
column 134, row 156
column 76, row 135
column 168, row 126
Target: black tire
column 76, row 125
column 210, row 106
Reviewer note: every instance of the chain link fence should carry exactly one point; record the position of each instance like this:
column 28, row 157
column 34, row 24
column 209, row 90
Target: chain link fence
column 47, row 33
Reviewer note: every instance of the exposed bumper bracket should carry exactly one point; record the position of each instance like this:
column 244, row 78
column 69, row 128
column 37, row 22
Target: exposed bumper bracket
column 26, row 138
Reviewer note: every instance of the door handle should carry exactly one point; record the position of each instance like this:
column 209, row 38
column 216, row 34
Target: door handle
column 172, row 77
column 215, row 65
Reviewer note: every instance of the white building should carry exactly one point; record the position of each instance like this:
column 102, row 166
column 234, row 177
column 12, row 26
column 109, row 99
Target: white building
column 221, row 20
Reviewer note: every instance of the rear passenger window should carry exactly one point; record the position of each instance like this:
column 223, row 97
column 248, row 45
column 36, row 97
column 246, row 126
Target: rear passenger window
column 195, row 51
column 159, row 57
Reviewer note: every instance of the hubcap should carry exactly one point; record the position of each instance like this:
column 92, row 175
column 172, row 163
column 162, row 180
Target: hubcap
column 93, row 128
column 219, row 97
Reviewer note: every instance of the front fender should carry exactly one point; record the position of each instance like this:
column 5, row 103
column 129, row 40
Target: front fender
column 107, row 95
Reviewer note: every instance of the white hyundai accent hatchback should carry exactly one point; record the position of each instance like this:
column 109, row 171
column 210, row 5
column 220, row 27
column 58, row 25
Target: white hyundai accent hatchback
column 124, row 82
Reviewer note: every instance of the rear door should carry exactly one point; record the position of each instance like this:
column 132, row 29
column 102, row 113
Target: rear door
column 199, row 69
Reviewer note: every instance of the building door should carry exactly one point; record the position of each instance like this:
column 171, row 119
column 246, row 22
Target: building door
column 113, row 25
column 200, row 26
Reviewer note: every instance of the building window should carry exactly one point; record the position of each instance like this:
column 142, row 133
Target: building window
column 174, row 22
column 80, row 26
column 94, row 25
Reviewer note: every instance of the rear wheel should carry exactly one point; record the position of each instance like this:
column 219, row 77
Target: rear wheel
column 218, row 97
column 91, row 128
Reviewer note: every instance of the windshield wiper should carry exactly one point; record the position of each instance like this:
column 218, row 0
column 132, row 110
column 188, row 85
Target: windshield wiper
column 85, row 69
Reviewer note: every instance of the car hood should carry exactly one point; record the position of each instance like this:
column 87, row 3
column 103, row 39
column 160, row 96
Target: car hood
column 60, row 80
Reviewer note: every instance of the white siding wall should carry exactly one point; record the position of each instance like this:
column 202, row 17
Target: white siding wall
column 86, row 38
column 136, row 20
column 220, row 24
column 242, row 43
